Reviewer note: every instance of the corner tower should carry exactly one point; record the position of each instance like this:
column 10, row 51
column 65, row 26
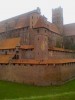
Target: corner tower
column 57, row 18
column 41, row 46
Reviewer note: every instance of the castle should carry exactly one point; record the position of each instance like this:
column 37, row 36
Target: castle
column 36, row 51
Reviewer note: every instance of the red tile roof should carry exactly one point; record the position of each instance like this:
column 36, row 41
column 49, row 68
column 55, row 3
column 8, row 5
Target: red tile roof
column 9, row 43
column 39, row 62
column 23, row 21
column 16, row 22
column 46, row 24
column 26, row 47
column 5, row 58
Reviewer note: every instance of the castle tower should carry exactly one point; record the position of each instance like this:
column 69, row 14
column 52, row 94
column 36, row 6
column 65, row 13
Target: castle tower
column 41, row 47
column 57, row 18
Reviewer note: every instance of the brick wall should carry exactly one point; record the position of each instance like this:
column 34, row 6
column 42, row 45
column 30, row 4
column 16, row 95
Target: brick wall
column 41, row 45
column 60, row 54
column 67, row 72
column 38, row 74
column 26, row 54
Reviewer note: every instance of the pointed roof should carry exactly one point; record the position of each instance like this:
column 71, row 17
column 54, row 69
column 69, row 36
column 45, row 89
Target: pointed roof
column 42, row 23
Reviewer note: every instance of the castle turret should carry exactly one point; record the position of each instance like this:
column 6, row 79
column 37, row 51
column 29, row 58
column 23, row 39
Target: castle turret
column 57, row 18
column 41, row 46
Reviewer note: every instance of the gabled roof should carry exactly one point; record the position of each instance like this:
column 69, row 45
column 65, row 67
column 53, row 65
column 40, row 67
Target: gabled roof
column 16, row 22
column 69, row 29
column 9, row 43
column 5, row 58
column 41, row 23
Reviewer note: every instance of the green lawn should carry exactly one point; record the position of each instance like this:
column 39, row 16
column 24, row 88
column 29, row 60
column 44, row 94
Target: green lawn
column 16, row 91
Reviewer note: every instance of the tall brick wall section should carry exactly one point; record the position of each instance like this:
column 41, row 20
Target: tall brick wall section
column 67, row 72
column 41, row 46
column 41, row 75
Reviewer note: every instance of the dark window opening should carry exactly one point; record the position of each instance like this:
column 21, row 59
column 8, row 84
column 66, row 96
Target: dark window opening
column 16, row 57
column 37, row 31
column 5, row 52
column 17, row 51
column 13, row 49
column 32, row 17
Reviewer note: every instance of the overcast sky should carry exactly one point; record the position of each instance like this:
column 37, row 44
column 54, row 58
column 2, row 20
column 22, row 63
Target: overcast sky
column 10, row 8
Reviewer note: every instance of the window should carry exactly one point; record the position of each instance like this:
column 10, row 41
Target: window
column 32, row 23
column 5, row 52
column 13, row 49
column 2, row 50
column 17, row 56
column 27, row 28
column 37, row 31
column 32, row 17
column 17, row 51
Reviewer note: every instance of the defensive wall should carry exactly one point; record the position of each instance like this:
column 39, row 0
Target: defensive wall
column 41, row 75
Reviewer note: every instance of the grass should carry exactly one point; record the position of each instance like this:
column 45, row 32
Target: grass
column 16, row 91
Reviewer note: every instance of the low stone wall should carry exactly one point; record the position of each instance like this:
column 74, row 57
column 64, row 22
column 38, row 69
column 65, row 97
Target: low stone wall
column 41, row 75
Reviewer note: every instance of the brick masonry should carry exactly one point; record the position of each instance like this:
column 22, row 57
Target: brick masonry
column 42, row 75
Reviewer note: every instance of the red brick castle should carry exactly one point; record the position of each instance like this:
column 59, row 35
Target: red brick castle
column 36, row 51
